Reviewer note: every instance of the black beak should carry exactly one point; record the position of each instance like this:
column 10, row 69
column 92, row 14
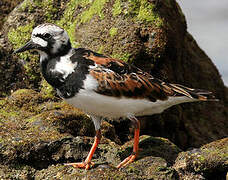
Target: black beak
column 29, row 45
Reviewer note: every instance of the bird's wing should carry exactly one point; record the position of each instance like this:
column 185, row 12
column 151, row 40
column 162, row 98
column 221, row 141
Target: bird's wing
column 118, row 78
column 129, row 85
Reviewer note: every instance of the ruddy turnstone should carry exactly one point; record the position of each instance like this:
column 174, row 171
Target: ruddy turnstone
column 102, row 86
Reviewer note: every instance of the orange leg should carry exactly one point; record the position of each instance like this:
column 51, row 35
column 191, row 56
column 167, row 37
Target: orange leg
column 134, row 154
column 87, row 164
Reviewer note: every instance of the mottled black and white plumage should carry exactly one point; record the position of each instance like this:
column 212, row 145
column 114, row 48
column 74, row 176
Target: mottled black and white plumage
column 102, row 86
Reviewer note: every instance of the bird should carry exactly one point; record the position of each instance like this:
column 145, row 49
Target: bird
column 103, row 87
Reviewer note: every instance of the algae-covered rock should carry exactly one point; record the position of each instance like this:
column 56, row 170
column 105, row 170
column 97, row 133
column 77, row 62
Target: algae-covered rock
column 154, row 168
column 20, row 172
column 107, row 156
column 6, row 7
column 32, row 127
column 38, row 132
column 150, row 34
column 209, row 161
column 155, row 146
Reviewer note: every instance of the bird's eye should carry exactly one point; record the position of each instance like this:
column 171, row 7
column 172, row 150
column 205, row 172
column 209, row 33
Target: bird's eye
column 47, row 36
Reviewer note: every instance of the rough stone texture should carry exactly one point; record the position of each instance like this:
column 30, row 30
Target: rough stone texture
column 8, row 67
column 37, row 148
column 5, row 8
column 33, row 127
column 38, row 132
column 150, row 35
column 38, row 135
column 209, row 161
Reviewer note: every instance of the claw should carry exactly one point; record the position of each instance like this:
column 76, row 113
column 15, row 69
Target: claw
column 82, row 165
column 87, row 164
column 127, row 161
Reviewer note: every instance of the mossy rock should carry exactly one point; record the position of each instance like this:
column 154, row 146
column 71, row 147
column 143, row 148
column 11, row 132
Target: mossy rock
column 39, row 132
column 106, row 157
column 147, row 166
column 20, row 172
column 150, row 34
column 31, row 123
column 155, row 146
column 6, row 7
column 210, row 161
column 109, row 172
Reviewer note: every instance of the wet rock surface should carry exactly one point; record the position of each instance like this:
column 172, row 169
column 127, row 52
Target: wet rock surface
column 36, row 141
column 39, row 132
column 151, row 35
column 209, row 161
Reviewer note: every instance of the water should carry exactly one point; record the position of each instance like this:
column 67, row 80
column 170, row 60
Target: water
column 207, row 21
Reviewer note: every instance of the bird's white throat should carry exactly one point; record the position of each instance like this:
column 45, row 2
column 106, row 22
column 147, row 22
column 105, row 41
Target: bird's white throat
column 65, row 66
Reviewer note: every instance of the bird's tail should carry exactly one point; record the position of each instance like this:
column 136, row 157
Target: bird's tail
column 198, row 94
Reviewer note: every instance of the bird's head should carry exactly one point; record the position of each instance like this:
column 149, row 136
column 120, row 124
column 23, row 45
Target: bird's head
column 48, row 40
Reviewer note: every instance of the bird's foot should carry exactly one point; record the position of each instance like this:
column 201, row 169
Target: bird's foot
column 127, row 161
column 83, row 165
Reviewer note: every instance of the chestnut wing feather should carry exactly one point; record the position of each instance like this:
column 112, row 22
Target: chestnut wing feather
column 117, row 78
column 129, row 85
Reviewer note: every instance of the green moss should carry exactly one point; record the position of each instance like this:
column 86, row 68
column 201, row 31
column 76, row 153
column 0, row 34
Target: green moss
column 132, row 169
column 116, row 10
column 68, row 16
column 32, row 69
column 101, row 49
column 21, row 92
column 20, row 35
column 95, row 9
column 32, row 119
column 133, row 8
column 144, row 11
column 159, row 22
column 125, row 57
column 113, row 31
column 147, row 14
column 26, row 6
column 201, row 158
column 2, row 102
column 46, row 5
column 47, row 90
column 6, row 113
column 49, row 10
column 68, row 21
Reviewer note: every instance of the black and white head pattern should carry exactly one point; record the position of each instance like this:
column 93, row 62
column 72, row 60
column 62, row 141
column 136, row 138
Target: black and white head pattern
column 52, row 39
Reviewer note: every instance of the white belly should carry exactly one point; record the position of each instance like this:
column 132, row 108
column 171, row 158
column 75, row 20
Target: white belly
column 106, row 106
